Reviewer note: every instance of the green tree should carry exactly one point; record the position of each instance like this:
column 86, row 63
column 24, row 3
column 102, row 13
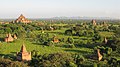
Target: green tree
column 71, row 64
column 8, row 30
column 108, row 50
column 70, row 40
column 68, row 32
column 9, row 63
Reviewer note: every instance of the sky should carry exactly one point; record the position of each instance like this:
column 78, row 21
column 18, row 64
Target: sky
column 58, row 8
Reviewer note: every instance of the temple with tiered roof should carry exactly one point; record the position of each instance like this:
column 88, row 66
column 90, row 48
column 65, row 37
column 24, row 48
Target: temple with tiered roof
column 22, row 19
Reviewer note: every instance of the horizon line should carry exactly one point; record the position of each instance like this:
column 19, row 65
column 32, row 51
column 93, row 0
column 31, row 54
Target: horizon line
column 61, row 17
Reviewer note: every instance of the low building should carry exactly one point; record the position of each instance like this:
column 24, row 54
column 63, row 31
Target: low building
column 94, row 22
column 99, row 55
column 23, row 55
column 55, row 39
column 14, row 36
column 105, row 40
column 9, row 38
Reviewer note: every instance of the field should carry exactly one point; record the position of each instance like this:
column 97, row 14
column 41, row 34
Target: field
column 7, row 49
column 12, row 48
column 82, row 42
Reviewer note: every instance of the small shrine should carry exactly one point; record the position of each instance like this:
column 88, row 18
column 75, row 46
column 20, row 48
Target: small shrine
column 104, row 24
column 9, row 38
column 96, row 56
column 23, row 55
column 14, row 36
column 94, row 22
column 105, row 40
column 99, row 55
column 51, row 28
column 55, row 39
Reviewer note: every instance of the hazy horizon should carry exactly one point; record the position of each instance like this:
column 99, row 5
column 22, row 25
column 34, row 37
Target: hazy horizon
column 58, row 8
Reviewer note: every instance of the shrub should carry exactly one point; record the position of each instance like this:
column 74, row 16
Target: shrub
column 50, row 43
column 95, row 65
column 55, row 60
column 70, row 40
column 79, row 59
column 9, row 63
column 71, row 64
column 68, row 32
column 108, row 50
column 71, row 46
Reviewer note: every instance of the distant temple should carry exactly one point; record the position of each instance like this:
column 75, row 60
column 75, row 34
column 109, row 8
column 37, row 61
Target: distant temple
column 104, row 24
column 105, row 40
column 55, row 39
column 22, row 19
column 14, row 36
column 9, row 38
column 23, row 55
column 51, row 28
column 99, row 55
column 94, row 22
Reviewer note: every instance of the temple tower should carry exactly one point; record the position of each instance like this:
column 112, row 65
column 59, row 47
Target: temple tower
column 23, row 55
column 105, row 40
column 22, row 19
column 94, row 22
column 99, row 55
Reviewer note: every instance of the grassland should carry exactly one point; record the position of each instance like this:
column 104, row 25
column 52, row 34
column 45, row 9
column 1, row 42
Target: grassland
column 10, row 49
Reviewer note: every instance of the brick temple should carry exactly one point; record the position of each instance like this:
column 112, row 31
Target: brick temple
column 22, row 19
column 55, row 39
column 99, row 55
column 23, row 55
column 9, row 38
column 94, row 22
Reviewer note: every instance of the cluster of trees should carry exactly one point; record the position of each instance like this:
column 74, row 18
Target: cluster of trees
column 111, row 50
column 19, row 29
column 61, row 60
column 57, row 60
column 109, row 55
column 10, row 63
column 44, row 39
column 24, row 30
column 89, row 30
column 48, row 27
column 69, row 60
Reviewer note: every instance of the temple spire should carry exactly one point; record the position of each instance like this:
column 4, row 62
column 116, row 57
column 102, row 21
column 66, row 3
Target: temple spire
column 23, row 55
column 23, row 48
column 94, row 22
column 99, row 55
column 22, row 19
column 105, row 40
column 21, row 15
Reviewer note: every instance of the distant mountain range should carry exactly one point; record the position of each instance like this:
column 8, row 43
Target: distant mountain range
column 87, row 18
column 66, row 18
